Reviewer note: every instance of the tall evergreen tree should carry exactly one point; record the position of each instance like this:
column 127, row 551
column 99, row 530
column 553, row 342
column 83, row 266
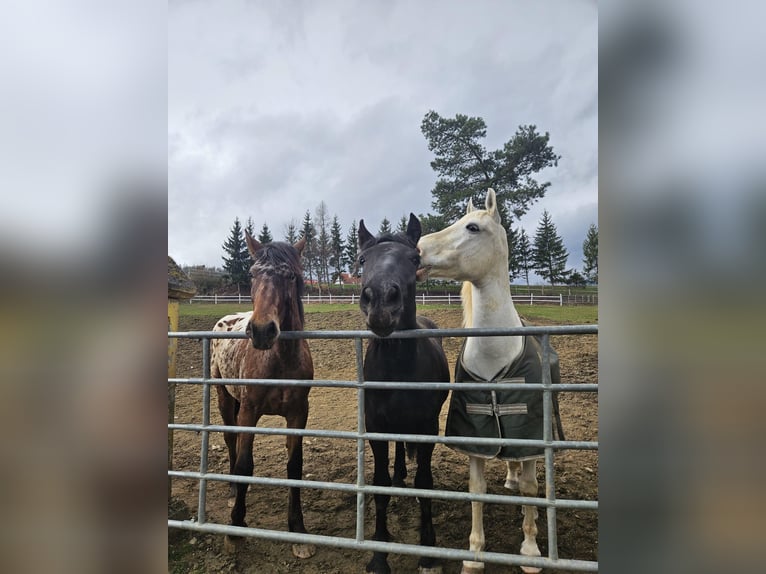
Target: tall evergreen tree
column 385, row 226
column 337, row 246
column 431, row 223
column 291, row 232
column 236, row 260
column 352, row 248
column 265, row 235
column 549, row 253
column 309, row 233
column 322, row 224
column 523, row 254
column 513, row 263
column 402, row 225
column 249, row 228
column 590, row 254
column 467, row 169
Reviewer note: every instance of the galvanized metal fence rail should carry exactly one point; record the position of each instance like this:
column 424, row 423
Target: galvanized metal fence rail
column 549, row 501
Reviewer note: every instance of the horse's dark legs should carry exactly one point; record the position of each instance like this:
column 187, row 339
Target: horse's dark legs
column 243, row 465
column 228, row 406
column 379, row 563
column 400, row 465
column 424, row 479
column 295, row 472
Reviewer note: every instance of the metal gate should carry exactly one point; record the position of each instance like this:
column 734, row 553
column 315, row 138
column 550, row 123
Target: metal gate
column 549, row 501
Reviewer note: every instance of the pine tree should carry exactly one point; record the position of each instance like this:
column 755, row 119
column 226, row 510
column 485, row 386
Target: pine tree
column 590, row 254
column 402, row 226
column 323, row 247
column 265, row 235
column 385, row 226
column 549, row 253
column 513, row 263
column 291, row 232
column 237, row 264
column 524, row 259
column 337, row 248
column 249, row 228
column 352, row 248
column 309, row 233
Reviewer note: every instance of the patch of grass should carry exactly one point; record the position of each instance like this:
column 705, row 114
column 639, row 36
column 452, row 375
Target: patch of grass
column 212, row 310
column 576, row 314
column 571, row 314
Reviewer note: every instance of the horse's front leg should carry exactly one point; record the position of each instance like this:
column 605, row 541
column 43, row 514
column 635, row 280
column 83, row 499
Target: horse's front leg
column 381, row 477
column 528, row 487
column 295, row 472
column 243, row 466
column 424, row 479
column 228, row 406
column 477, row 484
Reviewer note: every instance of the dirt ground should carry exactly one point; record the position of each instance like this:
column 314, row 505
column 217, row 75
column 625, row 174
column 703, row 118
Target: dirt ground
column 332, row 513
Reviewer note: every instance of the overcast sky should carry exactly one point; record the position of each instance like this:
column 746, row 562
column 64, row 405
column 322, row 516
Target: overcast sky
column 276, row 106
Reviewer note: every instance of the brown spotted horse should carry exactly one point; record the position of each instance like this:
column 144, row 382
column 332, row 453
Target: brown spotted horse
column 475, row 250
column 389, row 264
column 277, row 287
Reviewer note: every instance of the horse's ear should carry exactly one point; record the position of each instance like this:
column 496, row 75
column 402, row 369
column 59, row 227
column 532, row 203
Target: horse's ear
column 252, row 245
column 300, row 245
column 469, row 208
column 414, row 229
column 364, row 236
column 491, row 205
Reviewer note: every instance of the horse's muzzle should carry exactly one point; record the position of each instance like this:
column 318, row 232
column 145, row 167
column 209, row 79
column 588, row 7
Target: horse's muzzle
column 381, row 308
column 263, row 336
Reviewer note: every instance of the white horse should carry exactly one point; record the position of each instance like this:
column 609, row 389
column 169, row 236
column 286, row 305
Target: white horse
column 475, row 250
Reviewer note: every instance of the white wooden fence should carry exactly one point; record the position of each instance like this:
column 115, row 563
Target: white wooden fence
column 353, row 299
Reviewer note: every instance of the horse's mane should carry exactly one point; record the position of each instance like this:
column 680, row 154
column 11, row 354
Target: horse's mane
column 467, row 299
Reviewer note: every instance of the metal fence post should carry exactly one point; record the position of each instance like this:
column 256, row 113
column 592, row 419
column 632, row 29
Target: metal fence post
column 179, row 287
column 359, row 442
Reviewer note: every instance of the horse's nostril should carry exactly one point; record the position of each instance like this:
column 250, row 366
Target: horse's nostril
column 271, row 329
column 393, row 294
column 367, row 294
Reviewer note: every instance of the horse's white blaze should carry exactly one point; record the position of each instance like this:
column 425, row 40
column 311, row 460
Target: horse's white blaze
column 475, row 250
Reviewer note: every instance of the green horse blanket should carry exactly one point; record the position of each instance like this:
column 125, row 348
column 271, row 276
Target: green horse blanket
column 516, row 414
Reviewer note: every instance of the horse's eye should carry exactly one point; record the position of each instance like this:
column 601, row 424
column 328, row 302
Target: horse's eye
column 361, row 260
column 472, row 227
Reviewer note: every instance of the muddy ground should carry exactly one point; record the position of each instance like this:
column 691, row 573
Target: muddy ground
column 331, row 513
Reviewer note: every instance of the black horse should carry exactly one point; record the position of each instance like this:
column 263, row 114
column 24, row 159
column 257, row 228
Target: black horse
column 389, row 263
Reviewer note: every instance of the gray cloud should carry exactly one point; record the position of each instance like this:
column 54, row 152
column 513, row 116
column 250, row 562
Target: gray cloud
column 276, row 107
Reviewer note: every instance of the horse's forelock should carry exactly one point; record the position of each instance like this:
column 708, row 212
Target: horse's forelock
column 394, row 238
column 279, row 258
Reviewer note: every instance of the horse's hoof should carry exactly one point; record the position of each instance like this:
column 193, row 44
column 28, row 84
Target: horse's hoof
column 530, row 550
column 304, row 550
column 377, row 568
column 472, row 568
column 512, row 485
column 230, row 502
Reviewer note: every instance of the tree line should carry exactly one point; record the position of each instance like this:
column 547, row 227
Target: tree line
column 465, row 169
